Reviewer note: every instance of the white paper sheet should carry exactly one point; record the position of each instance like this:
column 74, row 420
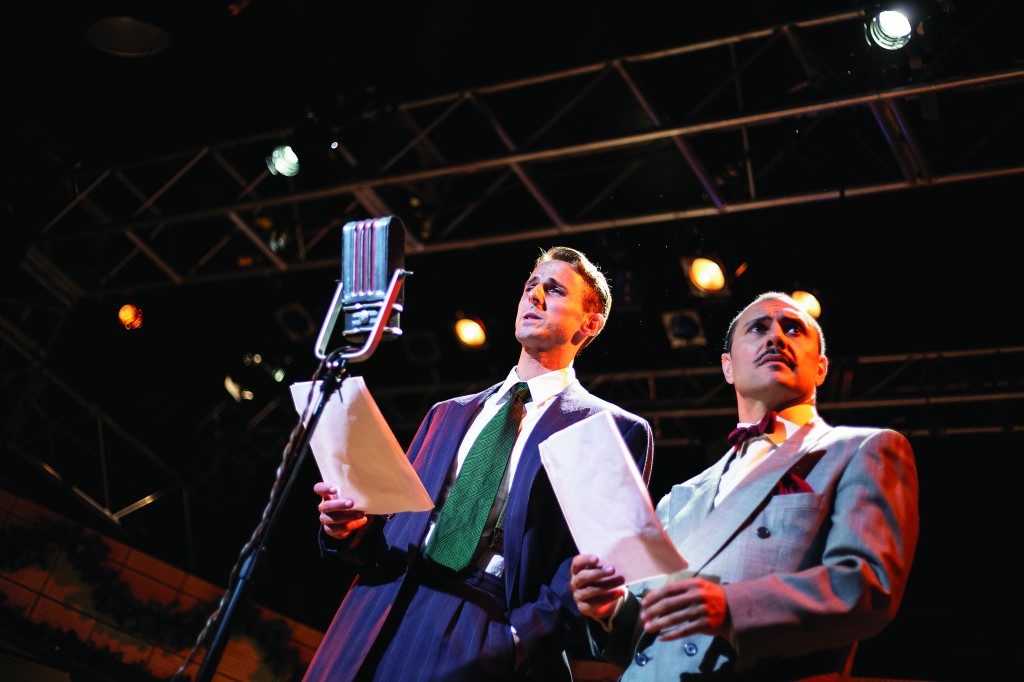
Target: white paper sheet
column 605, row 502
column 356, row 450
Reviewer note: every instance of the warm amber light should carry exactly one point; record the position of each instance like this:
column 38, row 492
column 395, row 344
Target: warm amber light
column 470, row 332
column 130, row 316
column 706, row 275
column 808, row 302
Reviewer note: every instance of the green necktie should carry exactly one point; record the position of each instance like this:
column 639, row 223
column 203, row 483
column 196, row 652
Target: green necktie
column 461, row 522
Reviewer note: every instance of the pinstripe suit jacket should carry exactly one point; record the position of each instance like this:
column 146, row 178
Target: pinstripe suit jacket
column 806, row 575
column 538, row 544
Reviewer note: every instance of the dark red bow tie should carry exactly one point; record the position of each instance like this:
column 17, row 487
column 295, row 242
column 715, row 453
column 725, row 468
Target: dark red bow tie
column 741, row 434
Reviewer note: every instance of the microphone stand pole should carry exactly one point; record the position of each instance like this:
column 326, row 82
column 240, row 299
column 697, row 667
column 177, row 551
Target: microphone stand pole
column 333, row 371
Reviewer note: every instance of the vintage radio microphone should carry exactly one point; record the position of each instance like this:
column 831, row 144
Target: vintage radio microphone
column 369, row 301
column 369, row 297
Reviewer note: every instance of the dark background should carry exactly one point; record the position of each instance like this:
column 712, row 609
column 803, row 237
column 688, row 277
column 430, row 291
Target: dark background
column 138, row 180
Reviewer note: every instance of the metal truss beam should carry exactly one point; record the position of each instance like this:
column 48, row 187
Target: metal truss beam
column 451, row 157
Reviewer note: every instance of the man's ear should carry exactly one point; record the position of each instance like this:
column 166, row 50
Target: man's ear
column 822, row 370
column 727, row 367
column 593, row 324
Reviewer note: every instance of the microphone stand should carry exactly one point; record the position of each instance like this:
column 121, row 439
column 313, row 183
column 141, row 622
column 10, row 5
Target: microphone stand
column 331, row 373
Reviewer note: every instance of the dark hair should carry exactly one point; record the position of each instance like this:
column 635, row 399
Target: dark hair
column 768, row 296
column 599, row 297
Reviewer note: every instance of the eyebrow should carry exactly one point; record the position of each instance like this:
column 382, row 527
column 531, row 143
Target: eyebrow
column 785, row 316
column 757, row 320
column 546, row 280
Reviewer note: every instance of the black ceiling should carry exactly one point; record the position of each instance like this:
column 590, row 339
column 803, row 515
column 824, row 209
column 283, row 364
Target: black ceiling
column 767, row 133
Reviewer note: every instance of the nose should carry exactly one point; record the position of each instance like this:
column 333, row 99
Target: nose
column 536, row 295
column 777, row 336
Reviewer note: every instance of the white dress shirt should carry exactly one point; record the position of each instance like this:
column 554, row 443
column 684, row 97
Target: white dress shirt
column 756, row 450
column 543, row 390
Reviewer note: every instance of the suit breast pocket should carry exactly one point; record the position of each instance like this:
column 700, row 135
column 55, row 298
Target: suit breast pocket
column 797, row 501
column 794, row 526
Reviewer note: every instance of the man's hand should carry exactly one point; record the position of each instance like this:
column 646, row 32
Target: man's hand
column 686, row 607
column 596, row 588
column 520, row 652
column 337, row 516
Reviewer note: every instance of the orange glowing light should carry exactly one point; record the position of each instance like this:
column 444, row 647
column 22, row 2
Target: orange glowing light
column 470, row 332
column 707, row 275
column 808, row 302
column 130, row 316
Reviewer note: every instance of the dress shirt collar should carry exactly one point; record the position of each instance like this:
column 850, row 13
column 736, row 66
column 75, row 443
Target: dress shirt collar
column 542, row 387
column 791, row 419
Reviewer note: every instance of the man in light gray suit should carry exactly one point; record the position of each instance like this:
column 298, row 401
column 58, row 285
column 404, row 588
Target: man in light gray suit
column 799, row 541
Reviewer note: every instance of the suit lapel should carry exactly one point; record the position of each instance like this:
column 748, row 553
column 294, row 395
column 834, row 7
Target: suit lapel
column 451, row 430
column 566, row 409
column 725, row 520
column 687, row 510
column 433, row 462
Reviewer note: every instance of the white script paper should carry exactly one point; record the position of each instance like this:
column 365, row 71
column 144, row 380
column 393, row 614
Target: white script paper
column 356, row 450
column 605, row 501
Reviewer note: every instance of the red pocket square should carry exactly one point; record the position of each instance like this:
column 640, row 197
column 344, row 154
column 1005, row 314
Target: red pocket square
column 793, row 480
column 791, row 483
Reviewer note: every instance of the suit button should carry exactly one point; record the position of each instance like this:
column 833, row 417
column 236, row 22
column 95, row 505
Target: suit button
column 641, row 658
column 762, row 532
column 690, row 648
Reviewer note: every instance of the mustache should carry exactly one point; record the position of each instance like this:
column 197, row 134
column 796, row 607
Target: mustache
column 775, row 354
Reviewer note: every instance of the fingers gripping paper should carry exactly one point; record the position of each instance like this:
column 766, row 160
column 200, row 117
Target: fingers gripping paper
column 604, row 500
column 356, row 450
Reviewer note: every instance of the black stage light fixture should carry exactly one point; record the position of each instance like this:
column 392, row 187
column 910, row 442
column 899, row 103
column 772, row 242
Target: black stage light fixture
column 684, row 328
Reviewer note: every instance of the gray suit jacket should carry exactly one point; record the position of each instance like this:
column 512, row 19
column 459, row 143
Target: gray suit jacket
column 806, row 574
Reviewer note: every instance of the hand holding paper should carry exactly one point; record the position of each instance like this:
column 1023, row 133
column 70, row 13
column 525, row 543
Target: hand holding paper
column 605, row 501
column 356, row 450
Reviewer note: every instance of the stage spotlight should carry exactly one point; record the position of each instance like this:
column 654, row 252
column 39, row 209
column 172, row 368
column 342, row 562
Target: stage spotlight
column 283, row 161
column 889, row 29
column 808, row 302
column 683, row 328
column 130, row 316
column 704, row 275
column 236, row 391
column 307, row 149
column 470, row 332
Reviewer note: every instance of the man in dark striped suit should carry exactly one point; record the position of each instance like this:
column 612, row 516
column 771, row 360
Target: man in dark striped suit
column 510, row 614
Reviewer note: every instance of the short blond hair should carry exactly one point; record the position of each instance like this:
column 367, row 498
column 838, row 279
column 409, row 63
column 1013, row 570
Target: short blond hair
column 599, row 298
